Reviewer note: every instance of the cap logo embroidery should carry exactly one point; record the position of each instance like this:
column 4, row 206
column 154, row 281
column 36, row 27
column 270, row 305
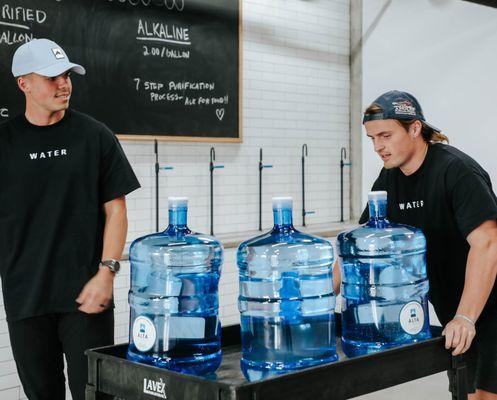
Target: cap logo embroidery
column 404, row 108
column 58, row 53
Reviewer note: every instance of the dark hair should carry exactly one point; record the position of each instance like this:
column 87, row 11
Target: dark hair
column 429, row 135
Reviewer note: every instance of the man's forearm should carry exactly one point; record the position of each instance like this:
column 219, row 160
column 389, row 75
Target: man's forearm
column 481, row 270
column 116, row 228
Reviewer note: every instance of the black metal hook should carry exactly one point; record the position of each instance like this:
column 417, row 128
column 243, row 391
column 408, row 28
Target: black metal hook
column 156, row 150
column 213, row 158
column 261, row 168
column 343, row 156
column 212, row 167
column 157, row 169
column 304, row 212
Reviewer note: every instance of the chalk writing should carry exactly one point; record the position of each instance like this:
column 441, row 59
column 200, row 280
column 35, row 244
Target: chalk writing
column 164, row 52
column 17, row 18
column 11, row 38
column 174, row 91
column 161, row 32
column 21, row 14
column 177, row 5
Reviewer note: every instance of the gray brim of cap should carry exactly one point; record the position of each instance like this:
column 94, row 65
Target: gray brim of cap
column 60, row 68
column 431, row 126
column 381, row 116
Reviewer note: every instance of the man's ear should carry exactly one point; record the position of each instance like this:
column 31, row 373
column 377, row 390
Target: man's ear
column 23, row 83
column 415, row 129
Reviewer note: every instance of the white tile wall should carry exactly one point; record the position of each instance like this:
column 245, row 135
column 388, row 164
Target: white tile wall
column 295, row 91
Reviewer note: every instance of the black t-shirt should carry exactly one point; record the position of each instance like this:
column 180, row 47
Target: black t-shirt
column 54, row 181
column 447, row 197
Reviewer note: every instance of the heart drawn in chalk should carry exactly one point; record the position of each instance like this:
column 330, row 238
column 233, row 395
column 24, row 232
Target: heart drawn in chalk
column 220, row 113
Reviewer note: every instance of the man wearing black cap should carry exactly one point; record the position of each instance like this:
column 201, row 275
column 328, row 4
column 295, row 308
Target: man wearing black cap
column 449, row 196
column 63, row 225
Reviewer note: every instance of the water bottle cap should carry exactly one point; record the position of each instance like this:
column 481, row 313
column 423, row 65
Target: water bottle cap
column 378, row 195
column 282, row 202
column 178, row 202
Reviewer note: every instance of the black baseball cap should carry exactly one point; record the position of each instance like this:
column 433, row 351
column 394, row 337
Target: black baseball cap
column 398, row 105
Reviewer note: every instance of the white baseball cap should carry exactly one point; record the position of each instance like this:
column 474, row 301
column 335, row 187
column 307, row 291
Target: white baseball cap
column 43, row 57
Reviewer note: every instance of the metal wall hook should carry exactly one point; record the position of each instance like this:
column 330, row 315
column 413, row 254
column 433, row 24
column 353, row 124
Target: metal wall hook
column 343, row 156
column 304, row 212
column 213, row 158
column 304, row 150
column 261, row 167
column 156, row 151
column 212, row 167
column 213, row 154
column 261, row 164
column 157, row 169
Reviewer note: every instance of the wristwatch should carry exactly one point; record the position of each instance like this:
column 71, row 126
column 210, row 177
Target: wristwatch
column 113, row 265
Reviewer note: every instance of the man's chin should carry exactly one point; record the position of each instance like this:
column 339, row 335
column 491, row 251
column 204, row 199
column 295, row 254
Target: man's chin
column 61, row 107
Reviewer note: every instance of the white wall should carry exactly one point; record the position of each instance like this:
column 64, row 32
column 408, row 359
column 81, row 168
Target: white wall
column 443, row 52
column 295, row 91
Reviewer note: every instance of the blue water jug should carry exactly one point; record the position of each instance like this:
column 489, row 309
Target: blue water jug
column 286, row 299
column 173, row 298
column 384, row 283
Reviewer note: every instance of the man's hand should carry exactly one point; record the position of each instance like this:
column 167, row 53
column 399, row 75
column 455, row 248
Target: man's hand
column 97, row 293
column 459, row 334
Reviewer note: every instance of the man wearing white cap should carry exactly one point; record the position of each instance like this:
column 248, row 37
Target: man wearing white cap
column 63, row 225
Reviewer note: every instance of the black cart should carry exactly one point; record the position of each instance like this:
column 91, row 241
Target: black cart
column 111, row 375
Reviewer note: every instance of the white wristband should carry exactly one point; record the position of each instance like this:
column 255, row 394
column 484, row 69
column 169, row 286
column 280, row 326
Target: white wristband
column 466, row 318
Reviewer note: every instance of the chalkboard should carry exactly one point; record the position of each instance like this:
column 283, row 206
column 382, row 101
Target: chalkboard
column 155, row 68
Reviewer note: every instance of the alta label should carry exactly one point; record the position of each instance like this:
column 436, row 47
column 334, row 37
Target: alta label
column 144, row 333
column 412, row 318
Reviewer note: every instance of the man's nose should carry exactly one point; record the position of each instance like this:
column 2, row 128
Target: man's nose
column 62, row 80
column 378, row 146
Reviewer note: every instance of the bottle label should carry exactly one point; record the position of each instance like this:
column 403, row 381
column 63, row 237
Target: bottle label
column 185, row 328
column 412, row 318
column 144, row 333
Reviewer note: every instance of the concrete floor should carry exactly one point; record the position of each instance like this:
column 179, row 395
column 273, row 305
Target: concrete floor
column 434, row 387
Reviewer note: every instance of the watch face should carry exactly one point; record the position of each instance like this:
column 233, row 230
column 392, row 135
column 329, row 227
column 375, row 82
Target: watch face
column 113, row 265
column 117, row 266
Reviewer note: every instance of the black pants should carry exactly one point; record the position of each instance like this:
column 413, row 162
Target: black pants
column 39, row 343
column 481, row 358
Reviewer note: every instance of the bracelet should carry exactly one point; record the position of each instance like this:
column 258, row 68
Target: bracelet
column 466, row 318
